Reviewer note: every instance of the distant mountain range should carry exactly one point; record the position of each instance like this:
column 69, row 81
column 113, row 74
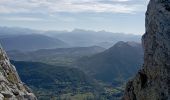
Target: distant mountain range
column 30, row 42
column 7, row 31
column 82, row 38
column 20, row 38
column 116, row 64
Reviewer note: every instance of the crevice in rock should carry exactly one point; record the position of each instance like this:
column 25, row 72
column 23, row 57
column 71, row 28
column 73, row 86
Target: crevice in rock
column 144, row 79
column 167, row 7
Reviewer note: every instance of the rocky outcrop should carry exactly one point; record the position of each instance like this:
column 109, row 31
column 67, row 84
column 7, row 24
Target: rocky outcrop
column 11, row 87
column 153, row 81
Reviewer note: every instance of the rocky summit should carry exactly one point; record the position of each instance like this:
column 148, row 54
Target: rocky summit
column 11, row 87
column 153, row 81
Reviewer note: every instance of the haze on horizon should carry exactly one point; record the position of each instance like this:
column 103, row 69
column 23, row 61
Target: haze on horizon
column 123, row 16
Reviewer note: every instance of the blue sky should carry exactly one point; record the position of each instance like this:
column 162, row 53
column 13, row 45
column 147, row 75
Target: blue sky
column 126, row 16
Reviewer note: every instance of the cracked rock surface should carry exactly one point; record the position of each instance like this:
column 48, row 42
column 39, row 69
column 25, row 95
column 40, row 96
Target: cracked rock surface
column 153, row 81
column 11, row 87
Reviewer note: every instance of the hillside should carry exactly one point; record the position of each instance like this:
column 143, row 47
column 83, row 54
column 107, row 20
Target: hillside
column 7, row 31
column 114, row 65
column 58, row 56
column 61, row 83
column 30, row 42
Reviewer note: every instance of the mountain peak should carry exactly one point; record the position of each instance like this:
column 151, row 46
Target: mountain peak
column 133, row 44
column 121, row 44
column 13, row 88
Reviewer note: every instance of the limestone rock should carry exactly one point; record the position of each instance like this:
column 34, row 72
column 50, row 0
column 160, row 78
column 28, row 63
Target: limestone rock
column 153, row 81
column 11, row 87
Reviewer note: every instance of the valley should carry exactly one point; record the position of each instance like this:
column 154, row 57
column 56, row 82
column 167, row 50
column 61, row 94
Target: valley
column 65, row 68
column 84, row 50
column 62, row 83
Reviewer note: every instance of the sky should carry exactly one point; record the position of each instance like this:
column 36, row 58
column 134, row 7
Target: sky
column 127, row 16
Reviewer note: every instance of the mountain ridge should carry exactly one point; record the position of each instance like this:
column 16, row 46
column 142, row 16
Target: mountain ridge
column 114, row 61
column 76, row 37
column 30, row 42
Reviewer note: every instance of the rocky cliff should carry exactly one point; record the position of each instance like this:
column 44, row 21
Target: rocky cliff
column 11, row 87
column 153, row 81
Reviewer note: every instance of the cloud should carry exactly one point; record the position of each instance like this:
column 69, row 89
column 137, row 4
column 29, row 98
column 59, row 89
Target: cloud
column 123, row 0
column 70, row 6
column 21, row 19
column 5, row 9
column 93, row 7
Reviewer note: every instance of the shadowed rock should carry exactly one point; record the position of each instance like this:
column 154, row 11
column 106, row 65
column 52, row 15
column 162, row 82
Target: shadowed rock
column 153, row 81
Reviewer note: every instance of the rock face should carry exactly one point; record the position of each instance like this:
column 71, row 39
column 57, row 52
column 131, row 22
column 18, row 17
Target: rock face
column 153, row 81
column 11, row 87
